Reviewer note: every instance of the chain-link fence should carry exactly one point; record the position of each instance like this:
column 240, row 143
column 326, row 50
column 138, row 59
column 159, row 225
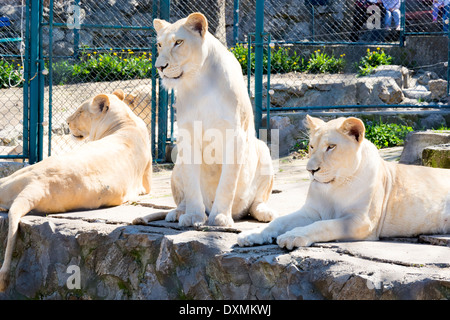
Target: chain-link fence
column 11, row 74
column 85, row 48
column 325, row 54
column 357, row 55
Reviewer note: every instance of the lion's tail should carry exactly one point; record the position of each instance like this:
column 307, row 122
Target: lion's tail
column 150, row 217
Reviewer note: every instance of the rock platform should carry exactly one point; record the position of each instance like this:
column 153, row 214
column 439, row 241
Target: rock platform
column 99, row 254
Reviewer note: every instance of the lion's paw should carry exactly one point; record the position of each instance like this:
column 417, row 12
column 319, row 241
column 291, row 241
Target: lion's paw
column 263, row 213
column 291, row 240
column 221, row 220
column 140, row 221
column 192, row 219
column 172, row 215
column 252, row 237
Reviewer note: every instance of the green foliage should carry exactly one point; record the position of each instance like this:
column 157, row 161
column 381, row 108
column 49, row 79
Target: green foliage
column 10, row 74
column 107, row 66
column 320, row 62
column 385, row 135
column 282, row 61
column 371, row 60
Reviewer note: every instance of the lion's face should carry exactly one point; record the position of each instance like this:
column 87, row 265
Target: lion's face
column 180, row 50
column 334, row 148
column 80, row 122
column 98, row 115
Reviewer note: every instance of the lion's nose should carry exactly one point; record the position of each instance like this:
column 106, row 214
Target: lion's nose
column 161, row 68
column 313, row 170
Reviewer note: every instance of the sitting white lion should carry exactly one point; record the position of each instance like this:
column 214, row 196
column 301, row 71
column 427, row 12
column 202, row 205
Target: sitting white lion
column 114, row 166
column 222, row 168
column 355, row 194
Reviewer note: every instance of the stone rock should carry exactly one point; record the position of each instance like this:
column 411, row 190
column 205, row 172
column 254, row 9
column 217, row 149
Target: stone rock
column 426, row 77
column 438, row 89
column 287, row 133
column 415, row 142
column 419, row 92
column 7, row 167
column 437, row 156
column 62, row 48
column 400, row 74
column 390, row 92
column 11, row 135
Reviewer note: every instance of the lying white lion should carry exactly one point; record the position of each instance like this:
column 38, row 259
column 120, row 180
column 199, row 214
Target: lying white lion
column 355, row 194
column 221, row 168
column 114, row 166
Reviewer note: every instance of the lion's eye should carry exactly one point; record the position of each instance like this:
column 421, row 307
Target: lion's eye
column 158, row 45
column 331, row 147
column 311, row 147
column 178, row 42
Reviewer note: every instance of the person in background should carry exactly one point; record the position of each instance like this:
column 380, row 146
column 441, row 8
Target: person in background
column 392, row 12
column 445, row 6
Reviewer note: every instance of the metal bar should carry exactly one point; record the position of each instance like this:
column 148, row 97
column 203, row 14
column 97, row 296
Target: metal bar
column 12, row 156
column 259, row 63
column 163, row 102
column 357, row 107
column 447, row 8
column 402, row 23
column 154, row 96
column 26, row 85
column 101, row 26
column 269, row 49
column 50, row 76
column 325, row 43
column 313, row 21
column 76, row 31
column 124, row 48
column 236, row 21
column 10, row 40
column 34, row 81
column 249, row 63
column 41, row 85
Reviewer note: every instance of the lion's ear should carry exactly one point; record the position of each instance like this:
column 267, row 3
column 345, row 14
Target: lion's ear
column 313, row 123
column 197, row 22
column 159, row 24
column 119, row 94
column 100, row 104
column 354, row 128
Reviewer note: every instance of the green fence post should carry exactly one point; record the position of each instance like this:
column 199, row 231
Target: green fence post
column 34, row 83
column 163, row 101
column 26, row 77
column 259, row 63
column 236, row 22
column 41, row 85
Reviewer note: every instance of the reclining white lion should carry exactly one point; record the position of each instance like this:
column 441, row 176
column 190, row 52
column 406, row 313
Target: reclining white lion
column 113, row 167
column 354, row 194
column 222, row 168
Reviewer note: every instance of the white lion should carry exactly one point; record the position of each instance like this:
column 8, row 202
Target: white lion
column 355, row 194
column 113, row 167
column 222, row 168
